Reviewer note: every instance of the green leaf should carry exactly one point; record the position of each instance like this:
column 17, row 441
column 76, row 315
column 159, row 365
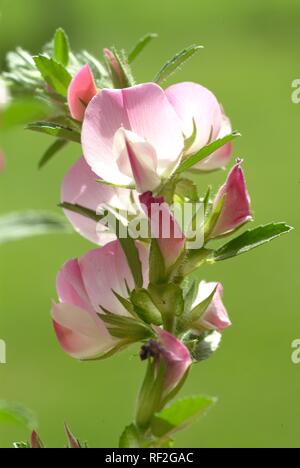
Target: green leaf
column 180, row 415
column 130, row 437
column 205, row 152
column 18, row 414
column 187, row 190
column 176, row 62
column 15, row 226
column 86, row 212
column 145, row 308
column 57, row 146
column 56, row 130
column 54, row 74
column 195, row 259
column 168, row 298
column 61, row 47
column 250, row 240
column 157, row 264
column 127, row 328
column 132, row 254
column 139, row 47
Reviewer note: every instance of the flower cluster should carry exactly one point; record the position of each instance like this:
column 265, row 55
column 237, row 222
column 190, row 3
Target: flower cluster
column 144, row 148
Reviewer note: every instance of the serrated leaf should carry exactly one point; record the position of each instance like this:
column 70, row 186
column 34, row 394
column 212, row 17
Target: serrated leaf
column 130, row 437
column 176, row 62
column 250, row 240
column 180, row 415
column 205, row 152
column 57, row 146
column 56, row 130
column 16, row 226
column 18, row 414
column 54, row 74
column 140, row 46
column 61, row 47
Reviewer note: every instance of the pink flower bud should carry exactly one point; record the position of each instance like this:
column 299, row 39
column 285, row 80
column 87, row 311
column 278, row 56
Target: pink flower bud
column 215, row 317
column 81, row 91
column 177, row 359
column 2, row 161
column 36, row 442
column 236, row 209
column 164, row 228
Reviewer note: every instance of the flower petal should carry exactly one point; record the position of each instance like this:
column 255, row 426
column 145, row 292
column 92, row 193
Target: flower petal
column 221, row 157
column 106, row 270
column 216, row 316
column 142, row 109
column 80, row 187
column 137, row 159
column 80, row 334
column 194, row 103
column 81, row 91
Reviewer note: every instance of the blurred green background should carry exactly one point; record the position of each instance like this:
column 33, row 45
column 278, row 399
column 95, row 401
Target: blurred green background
column 251, row 56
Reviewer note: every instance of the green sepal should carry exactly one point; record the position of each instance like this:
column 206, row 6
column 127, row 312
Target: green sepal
column 145, row 308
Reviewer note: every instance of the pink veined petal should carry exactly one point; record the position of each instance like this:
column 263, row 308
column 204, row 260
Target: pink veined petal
column 142, row 109
column 216, row 316
column 80, row 187
column 80, row 334
column 81, row 91
column 106, row 269
column 236, row 210
column 70, row 287
column 137, row 159
column 222, row 156
column 194, row 103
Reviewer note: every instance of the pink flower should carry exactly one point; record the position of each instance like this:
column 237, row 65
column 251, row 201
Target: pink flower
column 84, row 286
column 236, row 210
column 164, row 228
column 215, row 317
column 196, row 105
column 80, row 186
column 81, row 91
column 132, row 136
column 136, row 135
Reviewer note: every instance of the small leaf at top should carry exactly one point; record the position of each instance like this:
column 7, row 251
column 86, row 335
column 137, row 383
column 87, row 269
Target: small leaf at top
column 175, row 63
column 61, row 47
column 54, row 74
column 139, row 47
